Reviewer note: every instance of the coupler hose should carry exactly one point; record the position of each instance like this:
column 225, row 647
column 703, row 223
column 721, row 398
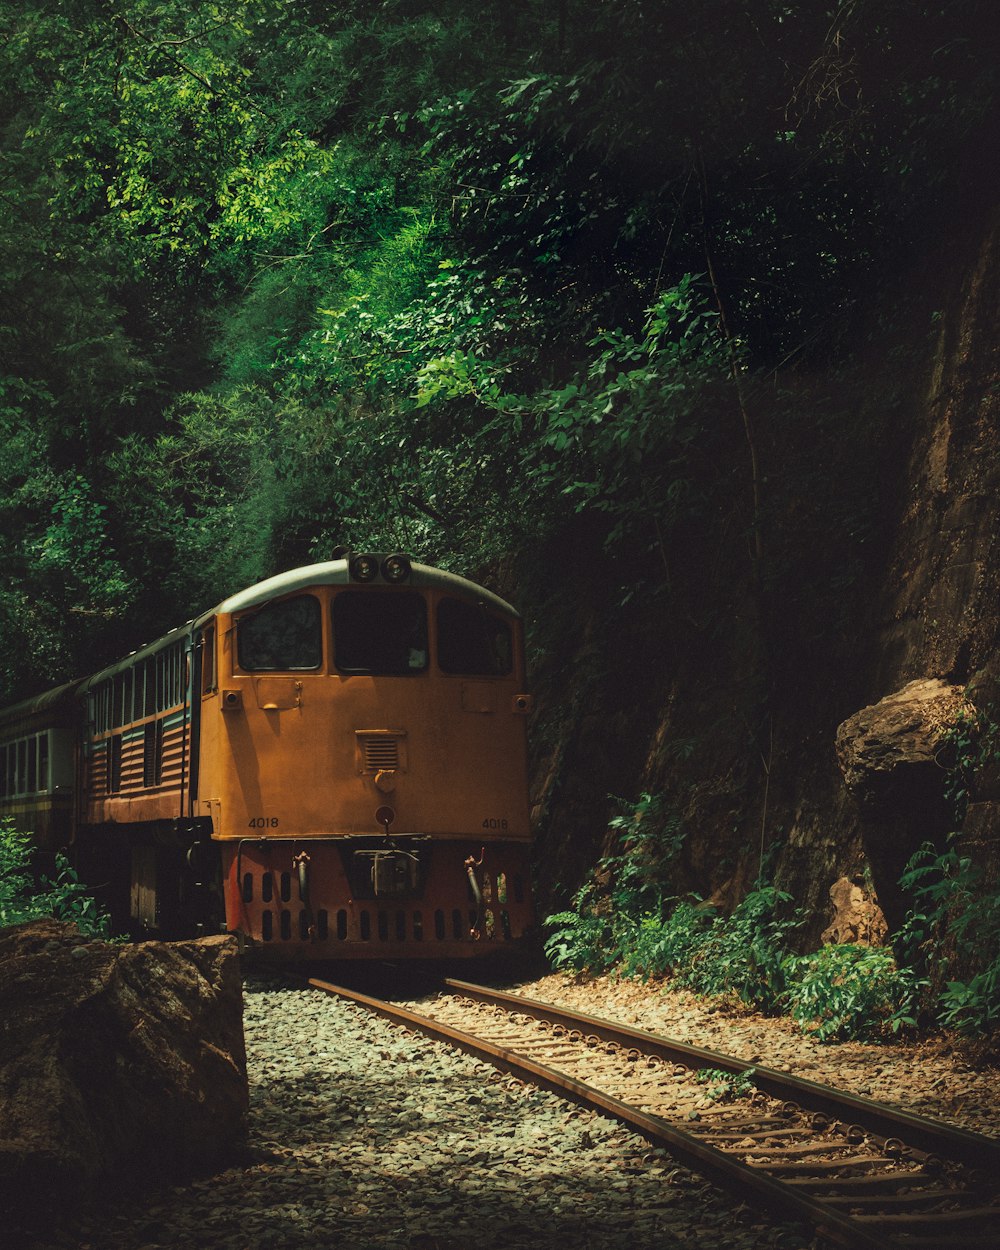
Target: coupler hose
column 301, row 864
column 471, row 865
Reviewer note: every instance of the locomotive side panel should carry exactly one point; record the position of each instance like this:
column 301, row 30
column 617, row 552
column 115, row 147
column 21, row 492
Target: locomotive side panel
column 136, row 744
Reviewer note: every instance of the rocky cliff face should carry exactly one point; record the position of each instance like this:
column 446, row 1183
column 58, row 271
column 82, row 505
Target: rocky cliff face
column 723, row 693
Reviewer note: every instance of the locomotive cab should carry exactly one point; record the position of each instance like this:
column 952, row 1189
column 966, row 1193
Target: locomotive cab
column 362, row 761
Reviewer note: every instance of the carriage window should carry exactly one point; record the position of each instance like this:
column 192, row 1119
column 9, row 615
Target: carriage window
column 472, row 641
column 380, row 634
column 282, row 636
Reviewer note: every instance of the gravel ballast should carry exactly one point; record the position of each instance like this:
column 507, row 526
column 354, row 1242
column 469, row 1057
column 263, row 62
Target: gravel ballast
column 363, row 1135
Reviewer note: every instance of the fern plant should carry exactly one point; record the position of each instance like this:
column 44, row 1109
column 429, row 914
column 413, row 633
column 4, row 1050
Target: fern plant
column 952, row 911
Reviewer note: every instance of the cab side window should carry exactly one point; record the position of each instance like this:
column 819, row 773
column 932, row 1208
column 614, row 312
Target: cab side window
column 473, row 641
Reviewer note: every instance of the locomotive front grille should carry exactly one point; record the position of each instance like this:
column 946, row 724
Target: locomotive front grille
column 380, row 752
column 377, row 926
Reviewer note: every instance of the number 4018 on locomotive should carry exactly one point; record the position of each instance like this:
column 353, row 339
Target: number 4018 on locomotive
column 330, row 764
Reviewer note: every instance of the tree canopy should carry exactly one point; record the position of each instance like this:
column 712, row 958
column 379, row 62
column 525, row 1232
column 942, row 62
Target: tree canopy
column 283, row 276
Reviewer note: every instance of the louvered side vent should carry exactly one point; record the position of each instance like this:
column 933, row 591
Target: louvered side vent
column 379, row 752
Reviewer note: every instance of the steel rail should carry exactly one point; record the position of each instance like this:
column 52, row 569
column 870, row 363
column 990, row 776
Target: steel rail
column 973, row 1149
column 717, row 1166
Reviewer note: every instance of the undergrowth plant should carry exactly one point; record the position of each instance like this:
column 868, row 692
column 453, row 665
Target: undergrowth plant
column 742, row 954
column 973, row 742
column 726, row 1086
column 15, row 879
column 619, row 925
column 658, row 947
column 581, row 937
column 951, row 913
column 624, row 920
column 850, row 993
column 632, row 925
column 63, row 896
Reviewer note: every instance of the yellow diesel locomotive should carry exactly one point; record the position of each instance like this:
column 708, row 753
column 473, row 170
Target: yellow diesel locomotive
column 331, row 764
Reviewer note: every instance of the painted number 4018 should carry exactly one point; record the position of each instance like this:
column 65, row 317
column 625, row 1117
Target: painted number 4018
column 263, row 822
column 493, row 822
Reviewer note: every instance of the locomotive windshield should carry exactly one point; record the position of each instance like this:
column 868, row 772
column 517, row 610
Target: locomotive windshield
column 472, row 641
column 284, row 635
column 378, row 634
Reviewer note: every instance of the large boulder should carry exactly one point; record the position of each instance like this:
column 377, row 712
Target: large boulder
column 117, row 1063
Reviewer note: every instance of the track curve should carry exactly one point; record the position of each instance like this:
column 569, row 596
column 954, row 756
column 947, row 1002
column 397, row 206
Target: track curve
column 863, row 1174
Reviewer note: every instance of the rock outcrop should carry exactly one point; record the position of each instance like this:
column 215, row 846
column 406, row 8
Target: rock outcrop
column 892, row 756
column 891, row 750
column 117, row 1063
column 856, row 917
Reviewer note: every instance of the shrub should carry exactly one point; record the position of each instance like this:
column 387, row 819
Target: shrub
column 741, row 954
column 850, row 993
column 744, row 953
column 62, row 896
column 659, row 947
column 579, row 939
column 625, row 926
column 953, row 913
column 15, row 877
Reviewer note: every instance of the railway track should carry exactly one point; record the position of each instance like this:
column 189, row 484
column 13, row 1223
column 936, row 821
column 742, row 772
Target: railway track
column 863, row 1174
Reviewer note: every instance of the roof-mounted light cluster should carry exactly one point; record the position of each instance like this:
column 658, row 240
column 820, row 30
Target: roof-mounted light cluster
column 393, row 568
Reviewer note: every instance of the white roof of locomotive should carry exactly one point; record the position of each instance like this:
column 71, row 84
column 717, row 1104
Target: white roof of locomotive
column 335, row 573
column 330, row 573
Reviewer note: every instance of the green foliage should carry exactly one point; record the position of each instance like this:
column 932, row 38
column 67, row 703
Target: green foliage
column 74, row 550
column 743, row 954
column 454, row 259
column 15, row 877
column 650, row 837
column 661, row 946
column 850, row 993
column 620, row 922
column 612, row 438
column 65, row 897
column 954, row 921
column 973, row 745
column 839, row 993
column 580, row 939
column 726, row 1086
column 624, row 919
column 62, row 897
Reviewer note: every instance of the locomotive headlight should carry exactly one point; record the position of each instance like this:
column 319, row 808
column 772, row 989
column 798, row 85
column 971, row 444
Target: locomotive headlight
column 363, row 568
column 396, row 568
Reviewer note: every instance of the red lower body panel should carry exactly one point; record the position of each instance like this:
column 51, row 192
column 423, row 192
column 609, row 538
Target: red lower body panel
column 362, row 898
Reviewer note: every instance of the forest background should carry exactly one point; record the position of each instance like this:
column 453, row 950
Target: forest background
column 616, row 306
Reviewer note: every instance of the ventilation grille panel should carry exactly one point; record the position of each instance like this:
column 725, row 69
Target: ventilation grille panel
column 378, row 752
